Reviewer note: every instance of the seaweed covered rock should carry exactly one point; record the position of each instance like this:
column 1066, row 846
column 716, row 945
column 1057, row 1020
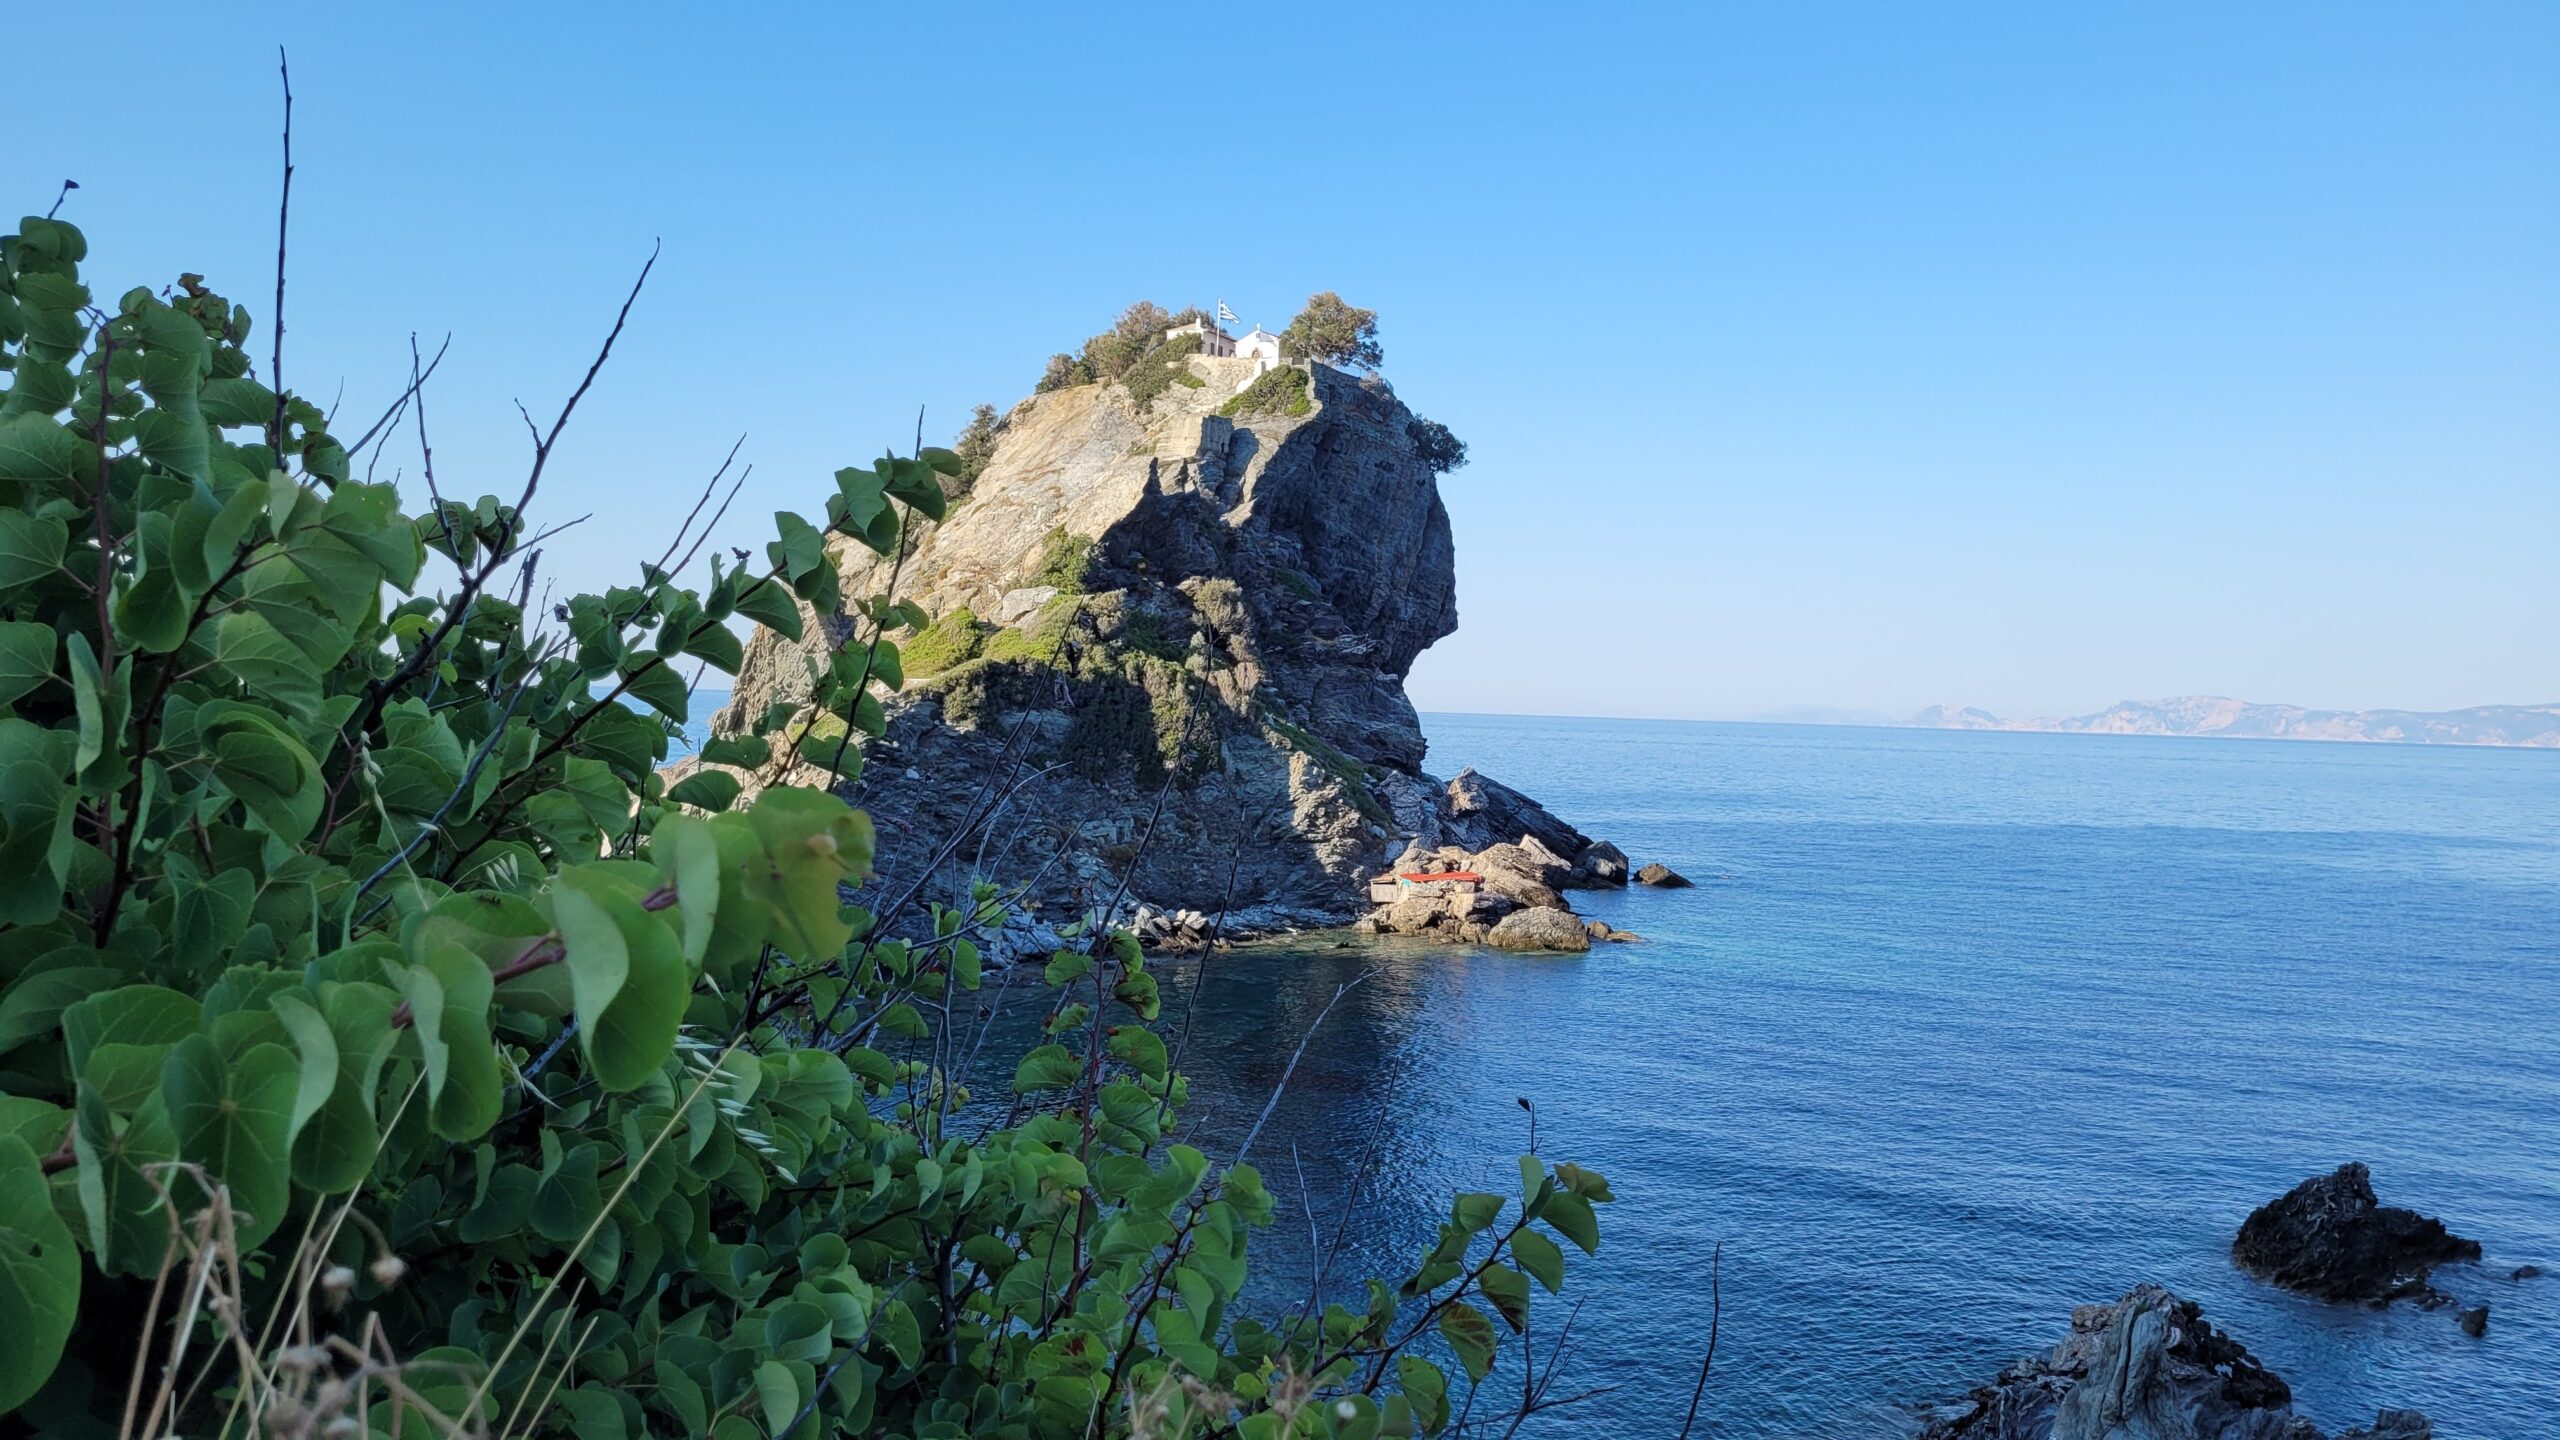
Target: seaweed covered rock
column 2330, row 1238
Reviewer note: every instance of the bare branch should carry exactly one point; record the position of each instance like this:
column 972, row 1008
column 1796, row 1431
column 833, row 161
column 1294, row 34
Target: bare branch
column 1715, row 1322
column 284, row 212
column 391, row 413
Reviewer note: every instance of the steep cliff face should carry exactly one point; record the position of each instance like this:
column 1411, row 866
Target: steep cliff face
column 1175, row 620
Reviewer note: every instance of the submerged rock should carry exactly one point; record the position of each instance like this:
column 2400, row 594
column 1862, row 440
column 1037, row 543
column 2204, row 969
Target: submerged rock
column 2149, row 1367
column 2393, row 1425
column 2330, row 1238
column 2474, row 1321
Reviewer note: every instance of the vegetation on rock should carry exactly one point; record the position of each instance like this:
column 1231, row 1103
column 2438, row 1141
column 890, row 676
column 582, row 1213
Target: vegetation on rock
column 1283, row 391
column 1439, row 449
column 1066, row 562
column 976, row 447
column 1333, row 332
column 385, row 1048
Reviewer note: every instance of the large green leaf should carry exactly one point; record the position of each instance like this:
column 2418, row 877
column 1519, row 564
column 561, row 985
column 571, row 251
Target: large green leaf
column 34, row 450
column 813, row 842
column 254, row 653
column 772, row 605
column 26, row 657
column 121, row 1160
column 117, row 1041
column 706, row 789
column 266, row 765
column 689, row 858
column 39, row 1276
column 1471, row 1336
column 334, row 1146
column 234, row 1119
column 627, row 972
column 473, row 1084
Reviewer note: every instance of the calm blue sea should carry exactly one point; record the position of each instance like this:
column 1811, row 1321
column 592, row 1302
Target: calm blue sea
column 1956, row 1032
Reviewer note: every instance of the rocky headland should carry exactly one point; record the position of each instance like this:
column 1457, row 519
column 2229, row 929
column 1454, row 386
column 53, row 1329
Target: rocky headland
column 1174, row 614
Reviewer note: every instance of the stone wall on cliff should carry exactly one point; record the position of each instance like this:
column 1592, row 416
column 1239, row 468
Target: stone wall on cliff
column 1230, row 677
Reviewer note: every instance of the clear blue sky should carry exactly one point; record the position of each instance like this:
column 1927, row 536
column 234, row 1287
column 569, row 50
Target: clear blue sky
column 2028, row 356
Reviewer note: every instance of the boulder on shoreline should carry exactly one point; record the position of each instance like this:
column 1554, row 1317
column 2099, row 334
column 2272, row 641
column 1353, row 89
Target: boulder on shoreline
column 1539, row 928
column 2149, row 1367
column 2328, row 1237
column 1662, row 877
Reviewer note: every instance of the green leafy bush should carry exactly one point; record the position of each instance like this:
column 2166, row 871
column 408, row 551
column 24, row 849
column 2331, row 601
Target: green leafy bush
column 1334, row 332
column 1439, row 449
column 383, row 1050
column 1067, row 561
column 1282, row 391
column 953, row 639
column 1150, row 632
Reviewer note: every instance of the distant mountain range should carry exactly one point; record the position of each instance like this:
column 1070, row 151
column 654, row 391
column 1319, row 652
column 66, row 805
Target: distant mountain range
column 2524, row 725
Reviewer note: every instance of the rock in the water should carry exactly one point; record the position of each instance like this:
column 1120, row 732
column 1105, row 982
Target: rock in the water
column 1597, row 929
column 2393, row 1425
column 2526, row 1272
column 1662, row 876
column 1539, row 928
column 2149, row 1367
column 2474, row 1321
column 2328, row 1237
column 1602, row 864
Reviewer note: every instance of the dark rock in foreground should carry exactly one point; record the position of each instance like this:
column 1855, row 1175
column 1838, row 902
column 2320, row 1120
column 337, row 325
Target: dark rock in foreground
column 2328, row 1237
column 2149, row 1367
column 2474, row 1321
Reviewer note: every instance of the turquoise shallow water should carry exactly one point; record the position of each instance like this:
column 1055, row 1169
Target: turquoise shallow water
column 1956, row 1032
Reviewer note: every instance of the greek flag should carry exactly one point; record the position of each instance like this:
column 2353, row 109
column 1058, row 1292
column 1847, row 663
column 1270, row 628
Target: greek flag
column 1225, row 314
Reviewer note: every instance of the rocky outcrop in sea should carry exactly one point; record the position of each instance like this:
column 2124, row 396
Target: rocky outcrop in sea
column 2148, row 1367
column 2329, row 1237
column 1166, row 675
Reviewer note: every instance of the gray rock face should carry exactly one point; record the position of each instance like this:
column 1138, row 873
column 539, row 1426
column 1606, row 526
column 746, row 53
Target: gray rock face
column 1259, row 589
column 2149, row 1367
column 1483, row 811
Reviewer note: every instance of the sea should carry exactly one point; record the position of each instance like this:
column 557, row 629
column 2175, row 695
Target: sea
column 1954, row 1032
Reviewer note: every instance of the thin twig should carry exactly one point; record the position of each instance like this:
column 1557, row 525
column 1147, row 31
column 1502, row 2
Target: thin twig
column 1299, row 1054
column 284, row 212
column 1715, row 1322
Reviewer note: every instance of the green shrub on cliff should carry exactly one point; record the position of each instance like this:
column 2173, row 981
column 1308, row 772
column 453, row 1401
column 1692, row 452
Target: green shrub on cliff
column 1282, row 391
column 954, row 638
column 1066, row 562
column 1332, row 331
column 385, row 1050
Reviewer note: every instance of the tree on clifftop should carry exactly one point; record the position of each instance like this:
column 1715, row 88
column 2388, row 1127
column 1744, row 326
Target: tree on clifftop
column 1335, row 332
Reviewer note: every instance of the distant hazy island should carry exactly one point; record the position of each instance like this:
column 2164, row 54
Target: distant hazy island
column 2217, row 715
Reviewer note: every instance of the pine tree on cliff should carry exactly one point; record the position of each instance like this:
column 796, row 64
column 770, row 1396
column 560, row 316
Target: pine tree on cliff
column 1335, row 332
